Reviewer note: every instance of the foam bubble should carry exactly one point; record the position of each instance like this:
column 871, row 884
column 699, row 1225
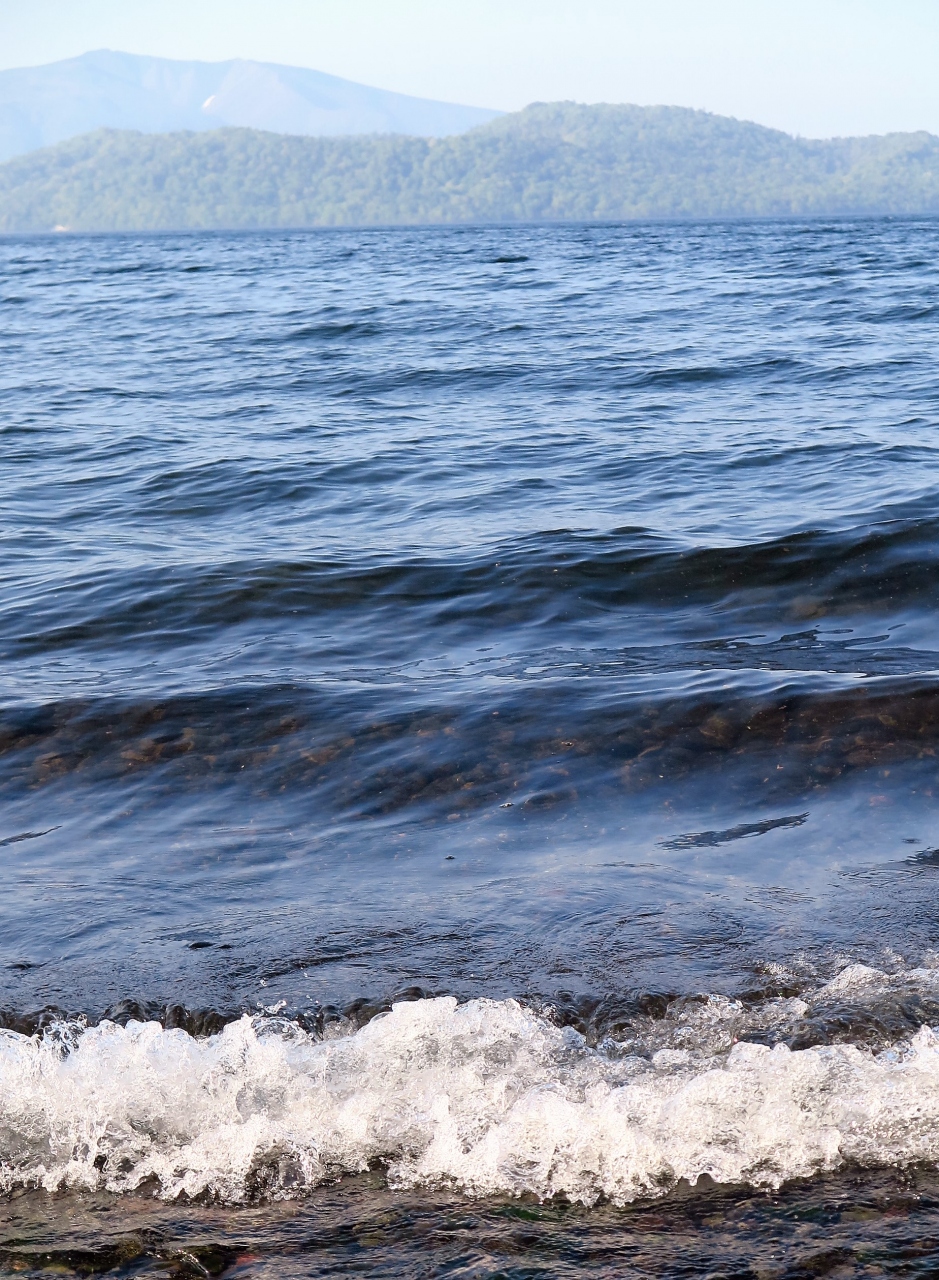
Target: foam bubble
column 486, row 1096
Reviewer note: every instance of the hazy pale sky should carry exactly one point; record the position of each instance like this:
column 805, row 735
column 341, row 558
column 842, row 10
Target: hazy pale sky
column 815, row 67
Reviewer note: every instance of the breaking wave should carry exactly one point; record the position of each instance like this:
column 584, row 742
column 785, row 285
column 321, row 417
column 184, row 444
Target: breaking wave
column 489, row 1097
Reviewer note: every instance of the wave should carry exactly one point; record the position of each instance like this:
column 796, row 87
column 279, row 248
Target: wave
column 555, row 577
column 393, row 746
column 488, row 1096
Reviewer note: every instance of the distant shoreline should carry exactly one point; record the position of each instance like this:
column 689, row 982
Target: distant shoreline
column 811, row 220
column 549, row 164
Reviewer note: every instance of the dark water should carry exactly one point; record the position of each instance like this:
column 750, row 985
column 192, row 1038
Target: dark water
column 542, row 615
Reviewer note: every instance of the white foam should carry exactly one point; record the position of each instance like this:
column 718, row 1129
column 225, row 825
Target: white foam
column 485, row 1096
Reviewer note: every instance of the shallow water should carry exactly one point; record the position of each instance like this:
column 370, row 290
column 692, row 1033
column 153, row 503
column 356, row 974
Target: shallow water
column 870, row 1224
column 540, row 617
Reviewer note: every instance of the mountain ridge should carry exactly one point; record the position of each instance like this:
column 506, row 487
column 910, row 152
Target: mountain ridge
column 550, row 162
column 104, row 88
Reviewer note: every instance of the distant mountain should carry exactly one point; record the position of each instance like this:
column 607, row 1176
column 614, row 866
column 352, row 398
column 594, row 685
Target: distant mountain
column 557, row 162
column 40, row 106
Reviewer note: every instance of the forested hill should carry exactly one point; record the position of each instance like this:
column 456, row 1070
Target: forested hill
column 554, row 162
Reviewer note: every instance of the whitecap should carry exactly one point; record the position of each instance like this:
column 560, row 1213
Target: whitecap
column 486, row 1096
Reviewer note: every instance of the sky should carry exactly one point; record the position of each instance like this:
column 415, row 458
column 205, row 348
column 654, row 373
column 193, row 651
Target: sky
column 820, row 69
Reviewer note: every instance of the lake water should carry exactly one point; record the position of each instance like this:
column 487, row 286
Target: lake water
column 469, row 751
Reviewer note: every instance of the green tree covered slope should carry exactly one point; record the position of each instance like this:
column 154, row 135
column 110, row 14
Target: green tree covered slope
column 549, row 162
